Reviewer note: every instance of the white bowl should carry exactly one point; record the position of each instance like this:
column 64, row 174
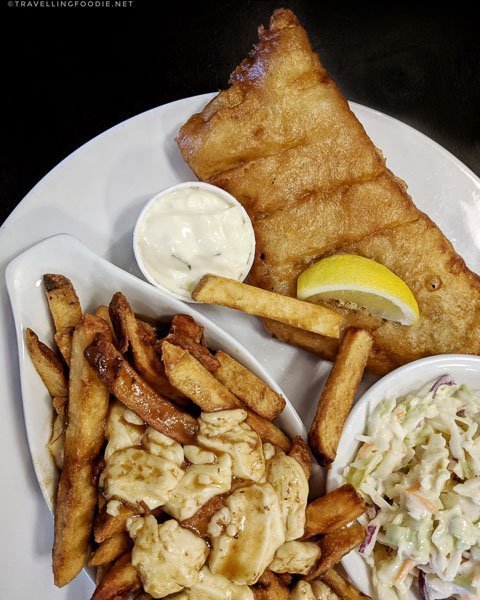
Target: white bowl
column 200, row 186
column 464, row 369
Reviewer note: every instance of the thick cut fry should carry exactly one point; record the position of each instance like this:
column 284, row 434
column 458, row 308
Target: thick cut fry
column 125, row 383
column 111, row 549
column 107, row 525
column 104, row 313
column 187, row 374
column 198, row 523
column 139, row 337
column 63, row 339
column 62, row 300
column 74, row 509
column 120, row 580
column 254, row 392
column 333, row 511
column 343, row 588
column 187, row 334
column 60, row 404
column 84, row 436
column 255, row 301
column 47, row 364
column 271, row 587
column 300, row 452
column 334, row 546
column 338, row 394
column 268, row 431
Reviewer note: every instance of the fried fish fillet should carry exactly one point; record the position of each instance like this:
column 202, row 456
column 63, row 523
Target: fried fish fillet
column 283, row 140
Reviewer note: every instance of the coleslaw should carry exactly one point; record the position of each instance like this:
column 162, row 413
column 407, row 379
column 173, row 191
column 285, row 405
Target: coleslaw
column 418, row 468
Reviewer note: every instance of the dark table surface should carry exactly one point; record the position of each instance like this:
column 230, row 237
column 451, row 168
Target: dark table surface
column 69, row 73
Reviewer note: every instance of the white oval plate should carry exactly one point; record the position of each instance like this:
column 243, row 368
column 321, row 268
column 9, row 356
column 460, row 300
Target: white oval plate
column 95, row 280
column 398, row 383
column 96, row 194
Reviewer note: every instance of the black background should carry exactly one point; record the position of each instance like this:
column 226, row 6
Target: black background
column 70, row 73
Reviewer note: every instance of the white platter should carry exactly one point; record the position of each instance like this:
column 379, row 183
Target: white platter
column 96, row 194
column 409, row 378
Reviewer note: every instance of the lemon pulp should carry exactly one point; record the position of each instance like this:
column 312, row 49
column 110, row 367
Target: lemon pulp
column 358, row 282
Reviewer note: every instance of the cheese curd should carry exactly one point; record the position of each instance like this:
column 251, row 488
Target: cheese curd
column 124, row 429
column 199, row 484
column 303, row 591
column 288, row 479
column 226, row 431
column 134, row 475
column 295, row 557
column 168, row 557
column 214, row 587
column 161, row 445
column 199, row 456
column 246, row 533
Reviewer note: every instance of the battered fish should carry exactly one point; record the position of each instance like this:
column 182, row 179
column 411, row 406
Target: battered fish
column 283, row 140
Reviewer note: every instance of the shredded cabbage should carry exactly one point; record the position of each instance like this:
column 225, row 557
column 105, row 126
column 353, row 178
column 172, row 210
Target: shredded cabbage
column 419, row 467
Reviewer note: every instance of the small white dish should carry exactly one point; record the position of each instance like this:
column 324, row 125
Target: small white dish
column 244, row 254
column 95, row 281
column 463, row 367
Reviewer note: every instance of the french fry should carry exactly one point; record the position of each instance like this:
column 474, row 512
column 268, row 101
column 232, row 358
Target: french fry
column 187, row 374
column 268, row 431
column 343, row 588
column 338, row 394
column 119, row 581
column 198, row 523
column 125, row 383
column 270, row 587
column 109, row 550
column 187, row 334
column 107, row 525
column 139, row 338
column 47, row 364
column 84, row 436
column 62, row 300
column 56, row 441
column 60, row 404
column 63, row 339
column 254, row 392
column 104, row 313
column 334, row 546
column 333, row 511
column 255, row 301
column 300, row 452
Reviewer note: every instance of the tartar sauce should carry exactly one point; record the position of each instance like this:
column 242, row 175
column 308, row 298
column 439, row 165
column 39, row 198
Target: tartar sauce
column 189, row 231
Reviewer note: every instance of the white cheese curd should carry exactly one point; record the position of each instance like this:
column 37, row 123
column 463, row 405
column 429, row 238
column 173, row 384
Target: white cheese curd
column 303, row 591
column 288, row 479
column 134, row 475
column 199, row 484
column 161, row 445
column 245, row 534
column 295, row 558
column 168, row 557
column 199, row 456
column 124, row 429
column 189, row 231
column 214, row 587
column 225, row 431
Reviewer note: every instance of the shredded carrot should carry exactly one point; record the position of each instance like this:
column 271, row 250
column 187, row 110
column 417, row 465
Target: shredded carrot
column 428, row 504
column 404, row 570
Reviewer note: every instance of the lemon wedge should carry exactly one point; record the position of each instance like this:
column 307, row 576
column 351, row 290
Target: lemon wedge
column 358, row 282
